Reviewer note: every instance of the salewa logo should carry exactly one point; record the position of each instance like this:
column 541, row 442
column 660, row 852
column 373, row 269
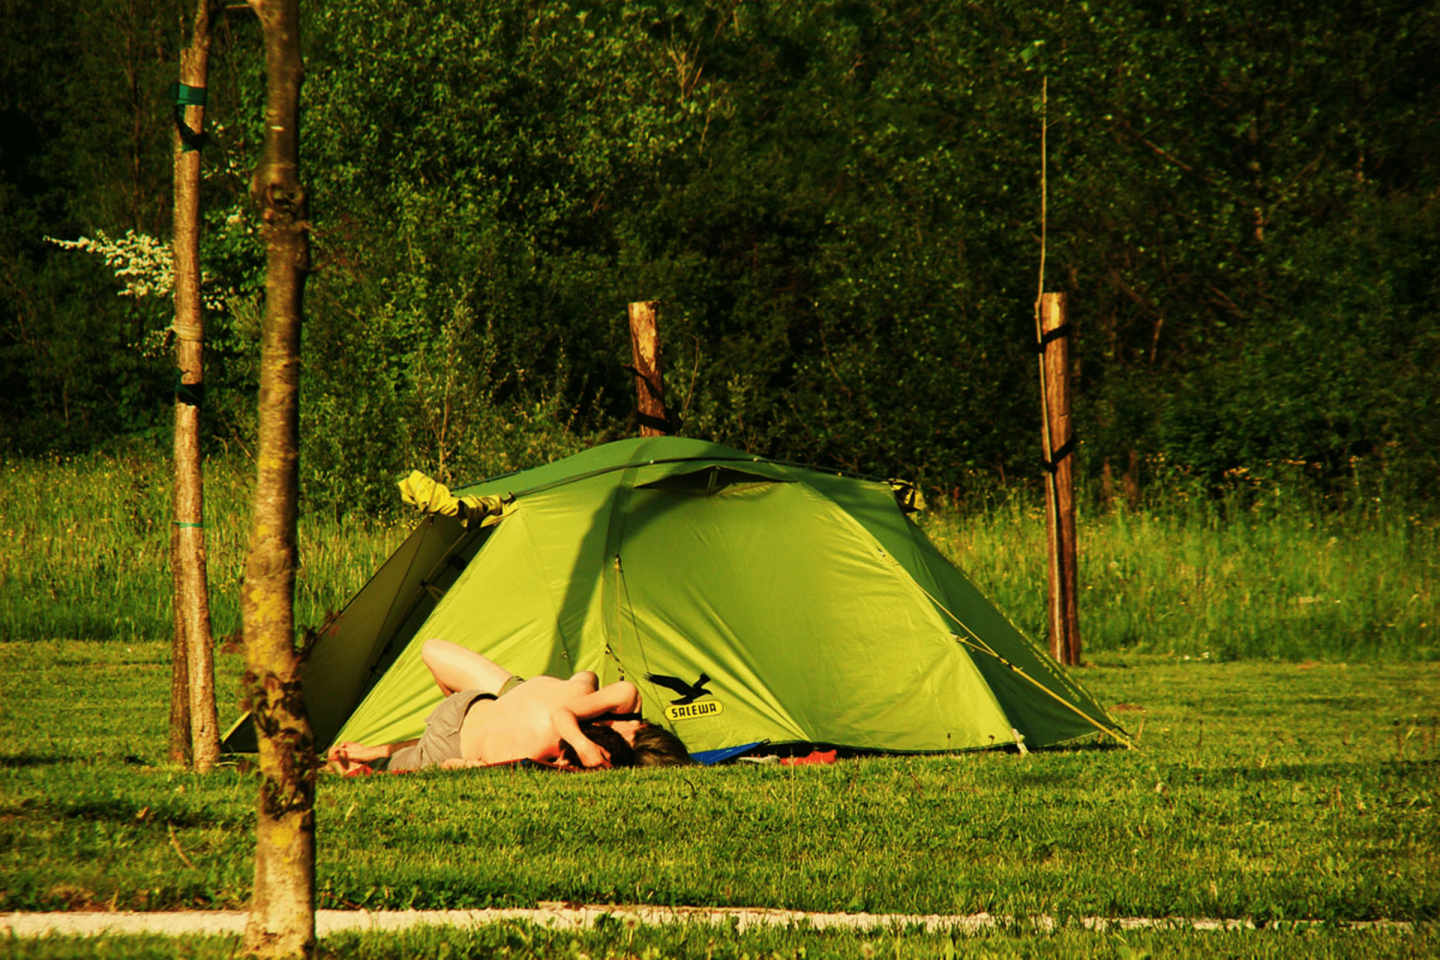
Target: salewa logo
column 689, row 692
column 690, row 711
column 684, row 707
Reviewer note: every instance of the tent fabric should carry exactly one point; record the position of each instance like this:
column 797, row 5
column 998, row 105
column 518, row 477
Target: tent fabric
column 748, row 600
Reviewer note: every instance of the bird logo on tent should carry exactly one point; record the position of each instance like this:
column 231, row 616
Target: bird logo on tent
column 689, row 692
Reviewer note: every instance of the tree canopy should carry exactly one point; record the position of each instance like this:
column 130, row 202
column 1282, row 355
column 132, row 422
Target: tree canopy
column 837, row 204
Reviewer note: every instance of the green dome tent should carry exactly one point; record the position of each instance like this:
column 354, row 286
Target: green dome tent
column 748, row 600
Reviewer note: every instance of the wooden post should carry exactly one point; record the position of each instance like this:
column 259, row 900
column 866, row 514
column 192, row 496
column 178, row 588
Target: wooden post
column 1060, row 490
column 649, row 384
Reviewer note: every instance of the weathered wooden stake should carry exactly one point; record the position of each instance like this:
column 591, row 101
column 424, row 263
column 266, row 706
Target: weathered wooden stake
column 649, row 384
column 1060, row 491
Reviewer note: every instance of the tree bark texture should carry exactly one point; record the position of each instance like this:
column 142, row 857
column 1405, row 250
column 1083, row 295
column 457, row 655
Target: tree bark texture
column 198, row 722
column 179, row 746
column 282, row 906
column 1060, row 491
column 645, row 364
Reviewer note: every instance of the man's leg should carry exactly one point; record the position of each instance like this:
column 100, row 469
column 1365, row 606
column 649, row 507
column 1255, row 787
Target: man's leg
column 343, row 757
column 455, row 668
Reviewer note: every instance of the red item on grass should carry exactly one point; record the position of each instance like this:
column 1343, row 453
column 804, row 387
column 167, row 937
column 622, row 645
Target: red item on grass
column 816, row 756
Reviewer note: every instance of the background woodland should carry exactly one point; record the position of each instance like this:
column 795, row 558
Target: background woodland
column 836, row 202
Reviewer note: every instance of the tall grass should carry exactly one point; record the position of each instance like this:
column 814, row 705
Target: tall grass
column 1222, row 580
column 84, row 546
column 85, row 541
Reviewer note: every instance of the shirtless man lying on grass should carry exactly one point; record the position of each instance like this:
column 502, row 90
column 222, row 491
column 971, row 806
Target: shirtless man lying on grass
column 491, row 716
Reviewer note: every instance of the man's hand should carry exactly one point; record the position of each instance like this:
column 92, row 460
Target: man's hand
column 591, row 754
column 354, row 752
column 460, row 763
column 344, row 757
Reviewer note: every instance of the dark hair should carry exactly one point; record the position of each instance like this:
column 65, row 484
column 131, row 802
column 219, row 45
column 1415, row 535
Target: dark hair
column 657, row 747
column 606, row 738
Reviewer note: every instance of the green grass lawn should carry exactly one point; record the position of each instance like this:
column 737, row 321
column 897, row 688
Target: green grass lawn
column 522, row 941
column 1260, row 790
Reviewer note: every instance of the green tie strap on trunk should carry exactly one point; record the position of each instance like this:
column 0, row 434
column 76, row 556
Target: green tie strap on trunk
column 191, row 394
column 1053, row 464
column 184, row 96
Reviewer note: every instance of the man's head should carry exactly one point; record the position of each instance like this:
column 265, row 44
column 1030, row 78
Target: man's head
column 657, row 747
column 653, row 746
column 621, row 754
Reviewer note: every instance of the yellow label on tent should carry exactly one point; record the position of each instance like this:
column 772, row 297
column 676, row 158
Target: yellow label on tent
column 692, row 711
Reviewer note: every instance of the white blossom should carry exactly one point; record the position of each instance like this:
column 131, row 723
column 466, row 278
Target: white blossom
column 142, row 263
column 145, row 265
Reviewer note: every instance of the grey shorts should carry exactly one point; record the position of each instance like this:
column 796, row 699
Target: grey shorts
column 441, row 739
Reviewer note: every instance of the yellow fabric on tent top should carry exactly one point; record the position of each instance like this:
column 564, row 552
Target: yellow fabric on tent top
column 429, row 496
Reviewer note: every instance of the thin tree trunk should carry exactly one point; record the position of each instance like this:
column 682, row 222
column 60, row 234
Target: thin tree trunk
column 282, row 906
column 187, row 540
column 179, row 750
column 649, row 383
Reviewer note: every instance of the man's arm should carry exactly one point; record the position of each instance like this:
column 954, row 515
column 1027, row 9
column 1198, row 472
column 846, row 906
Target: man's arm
column 622, row 697
column 359, row 752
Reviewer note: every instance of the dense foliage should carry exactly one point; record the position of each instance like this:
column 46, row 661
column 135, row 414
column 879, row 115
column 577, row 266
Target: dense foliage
column 838, row 203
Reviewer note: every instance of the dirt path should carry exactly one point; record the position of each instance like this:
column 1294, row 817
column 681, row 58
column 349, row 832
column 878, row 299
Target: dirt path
column 578, row 916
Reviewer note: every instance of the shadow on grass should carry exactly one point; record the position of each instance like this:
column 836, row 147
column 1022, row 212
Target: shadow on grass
column 133, row 814
column 1317, row 772
column 1106, row 745
column 20, row 761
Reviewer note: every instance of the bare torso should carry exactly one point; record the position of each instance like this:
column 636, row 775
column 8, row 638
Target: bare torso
column 520, row 725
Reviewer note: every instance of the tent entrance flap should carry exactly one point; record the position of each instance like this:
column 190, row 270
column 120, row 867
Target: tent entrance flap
column 354, row 650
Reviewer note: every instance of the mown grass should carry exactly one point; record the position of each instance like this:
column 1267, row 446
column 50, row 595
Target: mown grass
column 84, row 555
column 522, row 941
column 1260, row 790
